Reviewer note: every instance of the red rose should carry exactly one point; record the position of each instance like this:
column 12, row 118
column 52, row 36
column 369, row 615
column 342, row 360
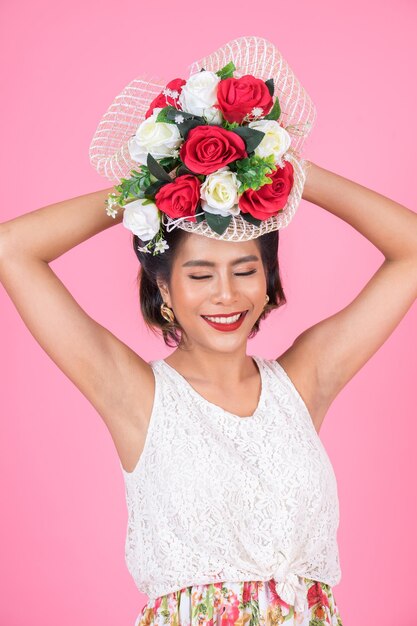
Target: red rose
column 272, row 197
column 163, row 101
column 179, row 198
column 208, row 148
column 316, row 595
column 237, row 97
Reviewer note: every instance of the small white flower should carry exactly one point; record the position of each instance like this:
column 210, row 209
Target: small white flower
column 199, row 93
column 219, row 193
column 172, row 93
column 142, row 220
column 144, row 249
column 111, row 212
column 161, row 246
column 179, row 119
column 111, row 203
column 257, row 112
column 112, row 199
column 276, row 140
column 158, row 138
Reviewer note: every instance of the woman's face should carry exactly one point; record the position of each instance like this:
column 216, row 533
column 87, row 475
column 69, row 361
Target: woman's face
column 216, row 278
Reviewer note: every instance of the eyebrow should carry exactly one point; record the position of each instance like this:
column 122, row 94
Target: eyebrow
column 203, row 262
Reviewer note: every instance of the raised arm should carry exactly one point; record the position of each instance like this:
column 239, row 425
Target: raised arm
column 107, row 372
column 326, row 356
column 47, row 233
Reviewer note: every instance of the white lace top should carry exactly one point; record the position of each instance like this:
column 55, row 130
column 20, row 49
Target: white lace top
column 219, row 497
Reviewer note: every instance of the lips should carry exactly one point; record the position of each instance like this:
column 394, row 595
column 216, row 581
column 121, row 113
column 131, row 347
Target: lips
column 223, row 326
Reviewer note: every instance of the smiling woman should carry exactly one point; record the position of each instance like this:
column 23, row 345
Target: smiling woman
column 231, row 497
column 248, row 264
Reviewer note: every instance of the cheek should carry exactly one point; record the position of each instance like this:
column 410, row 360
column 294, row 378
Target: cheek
column 256, row 289
column 188, row 293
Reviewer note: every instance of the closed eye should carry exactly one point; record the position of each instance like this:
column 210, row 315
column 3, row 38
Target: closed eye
column 241, row 274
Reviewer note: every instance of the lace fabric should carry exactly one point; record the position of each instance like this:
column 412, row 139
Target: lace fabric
column 218, row 497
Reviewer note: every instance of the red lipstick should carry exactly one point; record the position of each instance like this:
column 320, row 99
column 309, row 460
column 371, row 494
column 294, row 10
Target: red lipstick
column 226, row 327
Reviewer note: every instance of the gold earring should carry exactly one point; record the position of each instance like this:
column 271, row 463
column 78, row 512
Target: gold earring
column 266, row 300
column 167, row 313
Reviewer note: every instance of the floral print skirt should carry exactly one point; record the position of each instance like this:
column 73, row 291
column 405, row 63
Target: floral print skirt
column 244, row 603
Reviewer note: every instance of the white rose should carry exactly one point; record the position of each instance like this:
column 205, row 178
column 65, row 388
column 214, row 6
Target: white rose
column 199, row 93
column 276, row 141
column 158, row 138
column 213, row 116
column 219, row 193
column 142, row 220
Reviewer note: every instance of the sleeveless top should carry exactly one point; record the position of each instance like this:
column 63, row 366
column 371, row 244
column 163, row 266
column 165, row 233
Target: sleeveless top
column 219, row 497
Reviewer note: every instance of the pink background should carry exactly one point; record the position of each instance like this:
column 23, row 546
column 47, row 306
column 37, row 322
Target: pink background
column 63, row 512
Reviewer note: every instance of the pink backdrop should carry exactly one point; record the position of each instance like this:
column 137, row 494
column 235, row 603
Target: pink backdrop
column 63, row 518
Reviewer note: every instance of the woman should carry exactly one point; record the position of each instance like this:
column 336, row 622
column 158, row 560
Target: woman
column 201, row 277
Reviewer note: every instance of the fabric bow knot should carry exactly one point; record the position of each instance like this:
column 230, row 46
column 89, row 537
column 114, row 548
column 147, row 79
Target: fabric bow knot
column 289, row 586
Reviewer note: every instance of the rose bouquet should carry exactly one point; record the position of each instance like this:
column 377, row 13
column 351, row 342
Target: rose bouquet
column 210, row 148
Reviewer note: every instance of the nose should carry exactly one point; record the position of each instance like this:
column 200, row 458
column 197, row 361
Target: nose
column 225, row 291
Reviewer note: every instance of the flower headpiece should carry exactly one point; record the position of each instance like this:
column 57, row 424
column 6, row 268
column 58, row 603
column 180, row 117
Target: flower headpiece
column 214, row 157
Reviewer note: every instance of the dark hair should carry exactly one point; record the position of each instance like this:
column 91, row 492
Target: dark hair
column 159, row 266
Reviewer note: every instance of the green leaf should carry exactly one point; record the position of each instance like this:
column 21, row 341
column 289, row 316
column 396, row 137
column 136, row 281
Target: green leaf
column 226, row 71
column 270, row 84
column 190, row 120
column 253, row 171
column 153, row 189
column 187, row 125
column 250, row 218
column 169, row 163
column 173, row 112
column 230, row 125
column 163, row 115
column 134, row 186
column 250, row 136
column 183, row 169
column 200, row 218
column 156, row 169
column 218, row 223
column 275, row 112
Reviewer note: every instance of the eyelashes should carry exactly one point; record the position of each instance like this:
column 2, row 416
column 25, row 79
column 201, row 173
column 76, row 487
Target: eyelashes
column 241, row 274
